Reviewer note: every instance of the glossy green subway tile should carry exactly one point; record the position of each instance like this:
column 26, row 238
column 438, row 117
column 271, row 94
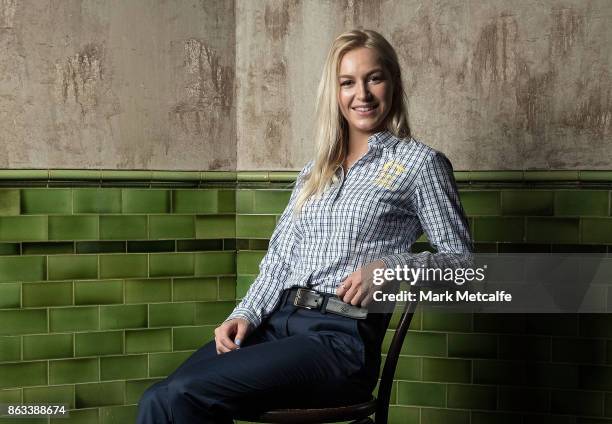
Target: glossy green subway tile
column 243, row 282
column 64, row 267
column 599, row 176
column 46, row 201
column 409, row 368
column 10, row 349
column 78, row 318
column 552, row 230
column 151, row 246
column 171, row 314
column 548, row 175
column 576, row 403
column 212, row 312
column 501, row 176
column 98, row 292
column 219, row 176
column 472, row 345
column 422, row 394
column 52, row 394
column 118, row 414
column 444, row 416
column 145, row 201
column 227, row 288
column 180, row 176
column 403, row 415
column 499, row 323
column 499, row 372
column 99, row 394
column 23, row 374
column 596, row 230
column 47, row 346
column 67, row 371
column 552, row 324
column 184, row 338
column 593, row 377
column 199, row 245
column 145, row 341
column 582, row 202
column 123, row 367
column 255, row 226
column 214, row 263
column 171, row 264
column 123, row 227
column 271, row 201
column 24, row 174
column 563, row 376
column 23, row 228
column 479, row 417
column 215, row 226
column 9, row 202
column 11, row 396
column 426, row 344
column 134, row 389
column 75, row 227
column 75, row 174
column 446, row 321
column 194, row 201
column 123, row 266
column 123, row 316
column 10, row 295
column 97, row 200
column 518, row 247
column 466, row 396
column 126, row 175
column 245, row 201
column 9, row 249
column 25, row 321
column 596, row 325
column 162, row 364
column 253, row 176
column 101, row 247
column 195, row 289
column 447, row 370
column 95, row 343
column 226, row 201
column 255, row 244
column 171, row 226
column 482, row 202
column 47, row 248
column 523, row 399
column 283, row 176
column 248, row 261
column 78, row 416
column 527, row 202
column 498, row 229
column 149, row 290
column 47, row 294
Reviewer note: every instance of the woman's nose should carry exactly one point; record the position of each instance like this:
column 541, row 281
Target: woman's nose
column 362, row 91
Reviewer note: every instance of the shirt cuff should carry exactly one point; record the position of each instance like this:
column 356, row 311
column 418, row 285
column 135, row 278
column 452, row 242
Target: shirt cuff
column 245, row 314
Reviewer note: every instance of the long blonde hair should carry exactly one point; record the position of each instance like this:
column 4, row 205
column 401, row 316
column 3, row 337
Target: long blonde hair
column 331, row 135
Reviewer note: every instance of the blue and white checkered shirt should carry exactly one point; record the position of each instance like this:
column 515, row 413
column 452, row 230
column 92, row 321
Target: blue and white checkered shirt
column 393, row 193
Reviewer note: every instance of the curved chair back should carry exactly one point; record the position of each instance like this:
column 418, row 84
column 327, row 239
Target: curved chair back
column 386, row 380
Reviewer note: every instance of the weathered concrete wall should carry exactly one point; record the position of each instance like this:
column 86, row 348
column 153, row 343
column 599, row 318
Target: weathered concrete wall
column 492, row 83
column 117, row 84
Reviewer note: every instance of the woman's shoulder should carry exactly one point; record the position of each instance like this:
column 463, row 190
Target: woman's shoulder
column 415, row 152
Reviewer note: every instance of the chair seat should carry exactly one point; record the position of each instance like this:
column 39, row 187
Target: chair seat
column 314, row 415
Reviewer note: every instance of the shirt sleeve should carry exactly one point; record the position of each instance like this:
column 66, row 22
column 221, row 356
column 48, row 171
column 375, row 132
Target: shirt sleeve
column 442, row 218
column 275, row 268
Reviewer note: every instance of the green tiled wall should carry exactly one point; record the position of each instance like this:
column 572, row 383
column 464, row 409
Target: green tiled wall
column 110, row 279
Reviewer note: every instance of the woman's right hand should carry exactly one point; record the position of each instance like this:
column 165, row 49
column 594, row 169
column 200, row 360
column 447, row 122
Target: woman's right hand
column 230, row 334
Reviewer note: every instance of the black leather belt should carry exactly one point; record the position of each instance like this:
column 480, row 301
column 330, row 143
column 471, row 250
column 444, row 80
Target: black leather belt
column 323, row 302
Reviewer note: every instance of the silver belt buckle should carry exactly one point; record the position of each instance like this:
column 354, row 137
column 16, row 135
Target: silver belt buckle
column 302, row 295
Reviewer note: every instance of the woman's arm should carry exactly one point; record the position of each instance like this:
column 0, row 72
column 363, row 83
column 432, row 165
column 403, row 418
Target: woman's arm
column 274, row 269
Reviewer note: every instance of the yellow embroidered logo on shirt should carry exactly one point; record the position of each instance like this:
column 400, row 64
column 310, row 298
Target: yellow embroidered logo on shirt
column 389, row 172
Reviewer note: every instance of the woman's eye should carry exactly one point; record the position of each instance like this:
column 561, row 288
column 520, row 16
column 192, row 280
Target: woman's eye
column 375, row 79
column 346, row 83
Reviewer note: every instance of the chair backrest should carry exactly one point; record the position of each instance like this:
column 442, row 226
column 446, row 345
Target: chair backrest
column 386, row 380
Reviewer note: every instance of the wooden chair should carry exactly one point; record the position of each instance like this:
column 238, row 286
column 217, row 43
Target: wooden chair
column 359, row 413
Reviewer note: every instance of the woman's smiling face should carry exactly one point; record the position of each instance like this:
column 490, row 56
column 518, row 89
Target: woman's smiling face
column 365, row 90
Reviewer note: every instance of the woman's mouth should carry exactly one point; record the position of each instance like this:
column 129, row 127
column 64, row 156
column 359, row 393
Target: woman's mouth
column 365, row 110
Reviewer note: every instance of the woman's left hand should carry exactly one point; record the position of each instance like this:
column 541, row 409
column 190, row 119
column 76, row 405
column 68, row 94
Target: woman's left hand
column 357, row 288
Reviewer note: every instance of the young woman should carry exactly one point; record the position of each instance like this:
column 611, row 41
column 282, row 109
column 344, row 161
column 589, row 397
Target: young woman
column 301, row 337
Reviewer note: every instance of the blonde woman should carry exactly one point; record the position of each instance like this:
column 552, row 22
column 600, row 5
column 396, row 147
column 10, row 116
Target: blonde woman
column 301, row 336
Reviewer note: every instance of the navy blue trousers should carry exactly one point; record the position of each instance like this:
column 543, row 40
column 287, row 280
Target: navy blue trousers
column 295, row 358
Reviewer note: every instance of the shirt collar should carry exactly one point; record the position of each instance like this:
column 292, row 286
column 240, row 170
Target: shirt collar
column 382, row 138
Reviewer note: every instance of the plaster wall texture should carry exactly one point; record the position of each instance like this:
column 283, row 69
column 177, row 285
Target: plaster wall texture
column 137, row 84
column 207, row 85
column 493, row 84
